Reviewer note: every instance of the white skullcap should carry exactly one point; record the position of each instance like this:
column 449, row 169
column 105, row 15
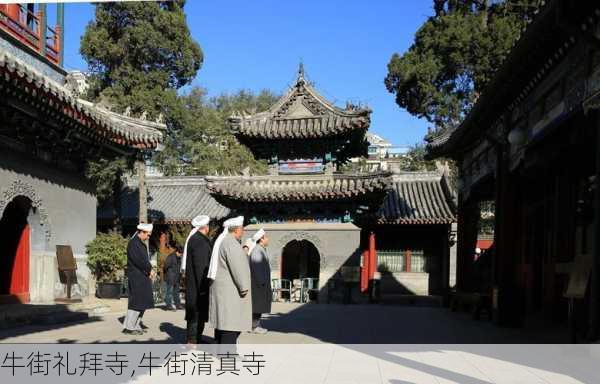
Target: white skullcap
column 200, row 221
column 249, row 243
column 145, row 227
column 258, row 235
column 234, row 222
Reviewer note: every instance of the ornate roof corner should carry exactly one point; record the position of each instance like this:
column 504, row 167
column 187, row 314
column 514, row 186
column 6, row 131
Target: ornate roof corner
column 91, row 120
column 300, row 114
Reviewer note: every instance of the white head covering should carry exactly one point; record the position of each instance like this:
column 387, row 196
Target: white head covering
column 145, row 227
column 214, row 257
column 197, row 222
column 250, row 244
column 258, row 235
column 234, row 222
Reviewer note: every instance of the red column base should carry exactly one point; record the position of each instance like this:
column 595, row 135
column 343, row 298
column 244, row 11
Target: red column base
column 15, row 298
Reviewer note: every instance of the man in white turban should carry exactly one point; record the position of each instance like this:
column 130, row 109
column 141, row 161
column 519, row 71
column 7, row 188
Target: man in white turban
column 230, row 310
column 139, row 280
column 248, row 246
column 196, row 258
column 260, row 270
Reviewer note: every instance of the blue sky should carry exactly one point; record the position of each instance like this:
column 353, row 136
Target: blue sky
column 345, row 46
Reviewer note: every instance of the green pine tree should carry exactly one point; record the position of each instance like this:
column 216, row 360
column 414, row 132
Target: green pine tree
column 204, row 143
column 138, row 54
column 454, row 54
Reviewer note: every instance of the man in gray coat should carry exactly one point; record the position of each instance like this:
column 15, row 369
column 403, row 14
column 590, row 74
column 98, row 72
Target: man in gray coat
column 230, row 308
column 261, row 280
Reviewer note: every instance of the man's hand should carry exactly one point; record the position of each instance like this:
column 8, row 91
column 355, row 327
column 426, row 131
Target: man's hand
column 152, row 274
column 243, row 293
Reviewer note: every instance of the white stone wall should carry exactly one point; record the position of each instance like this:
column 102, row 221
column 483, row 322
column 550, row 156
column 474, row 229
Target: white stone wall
column 416, row 283
column 65, row 214
column 338, row 245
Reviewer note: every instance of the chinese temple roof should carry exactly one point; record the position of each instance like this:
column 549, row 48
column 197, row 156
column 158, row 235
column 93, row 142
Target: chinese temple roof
column 409, row 198
column 88, row 119
column 418, row 198
column 297, row 188
column 302, row 113
column 171, row 200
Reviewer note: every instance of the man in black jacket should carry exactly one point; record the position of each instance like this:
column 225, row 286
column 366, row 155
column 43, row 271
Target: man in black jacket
column 195, row 263
column 172, row 275
column 139, row 276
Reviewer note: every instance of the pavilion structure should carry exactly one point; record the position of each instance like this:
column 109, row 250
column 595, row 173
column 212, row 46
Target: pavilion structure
column 305, row 203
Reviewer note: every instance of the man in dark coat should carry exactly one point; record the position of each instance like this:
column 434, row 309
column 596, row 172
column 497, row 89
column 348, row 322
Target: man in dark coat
column 139, row 275
column 195, row 263
column 261, row 280
column 172, row 276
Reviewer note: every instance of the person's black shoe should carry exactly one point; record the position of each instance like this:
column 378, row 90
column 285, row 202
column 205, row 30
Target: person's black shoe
column 134, row 332
column 180, row 306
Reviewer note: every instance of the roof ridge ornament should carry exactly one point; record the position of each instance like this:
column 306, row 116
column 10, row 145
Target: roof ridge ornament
column 301, row 80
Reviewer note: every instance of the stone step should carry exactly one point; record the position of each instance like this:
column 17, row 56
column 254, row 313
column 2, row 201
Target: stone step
column 17, row 315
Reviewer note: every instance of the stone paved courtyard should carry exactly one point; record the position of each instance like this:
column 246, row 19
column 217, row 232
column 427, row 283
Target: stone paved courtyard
column 294, row 324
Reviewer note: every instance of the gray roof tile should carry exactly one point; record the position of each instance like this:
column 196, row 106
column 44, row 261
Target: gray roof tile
column 170, row 200
column 418, row 198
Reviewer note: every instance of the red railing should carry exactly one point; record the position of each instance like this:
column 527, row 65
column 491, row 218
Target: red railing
column 26, row 26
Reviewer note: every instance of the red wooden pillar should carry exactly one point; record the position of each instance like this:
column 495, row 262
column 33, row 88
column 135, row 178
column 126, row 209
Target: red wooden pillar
column 372, row 256
column 364, row 272
column 19, row 283
column 408, row 260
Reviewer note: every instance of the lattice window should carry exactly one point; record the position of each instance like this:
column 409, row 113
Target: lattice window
column 402, row 260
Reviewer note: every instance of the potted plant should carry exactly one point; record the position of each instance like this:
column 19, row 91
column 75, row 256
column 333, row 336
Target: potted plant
column 107, row 258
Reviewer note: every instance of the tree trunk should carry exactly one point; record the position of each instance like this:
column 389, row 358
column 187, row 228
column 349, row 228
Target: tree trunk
column 141, row 171
column 117, row 208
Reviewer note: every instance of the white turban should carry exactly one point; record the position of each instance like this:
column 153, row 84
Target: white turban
column 197, row 222
column 258, row 235
column 145, row 227
column 234, row 222
column 214, row 257
column 200, row 221
column 250, row 244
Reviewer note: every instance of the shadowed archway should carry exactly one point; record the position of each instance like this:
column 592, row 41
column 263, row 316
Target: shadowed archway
column 300, row 259
column 15, row 246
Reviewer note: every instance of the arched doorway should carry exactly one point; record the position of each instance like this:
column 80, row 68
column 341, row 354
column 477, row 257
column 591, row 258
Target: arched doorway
column 300, row 259
column 15, row 247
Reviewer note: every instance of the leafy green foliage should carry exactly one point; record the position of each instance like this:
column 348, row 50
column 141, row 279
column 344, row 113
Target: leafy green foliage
column 414, row 160
column 454, row 54
column 202, row 140
column 106, row 175
column 107, row 257
column 139, row 54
